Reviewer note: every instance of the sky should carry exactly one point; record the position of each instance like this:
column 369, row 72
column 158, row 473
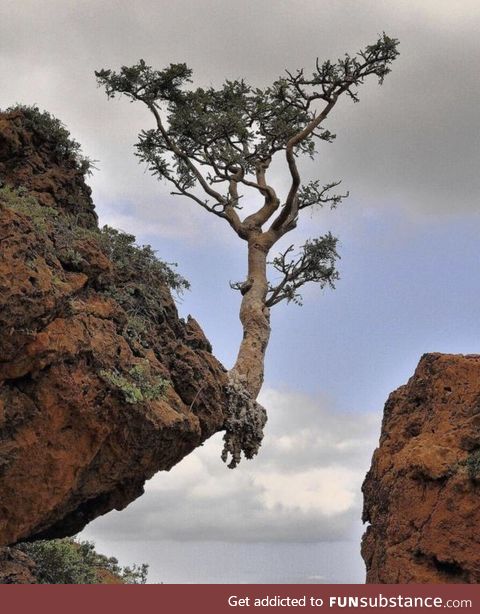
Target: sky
column 408, row 152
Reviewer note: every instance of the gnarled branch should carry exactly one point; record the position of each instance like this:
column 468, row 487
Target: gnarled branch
column 315, row 263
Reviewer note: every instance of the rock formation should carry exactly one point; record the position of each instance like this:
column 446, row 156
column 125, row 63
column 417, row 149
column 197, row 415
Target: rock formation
column 101, row 384
column 422, row 493
column 16, row 567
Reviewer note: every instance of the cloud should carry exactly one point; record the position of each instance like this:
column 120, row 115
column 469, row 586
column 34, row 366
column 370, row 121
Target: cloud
column 303, row 487
column 328, row 491
column 154, row 218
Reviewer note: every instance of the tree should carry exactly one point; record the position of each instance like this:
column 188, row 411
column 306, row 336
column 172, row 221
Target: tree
column 67, row 561
column 214, row 145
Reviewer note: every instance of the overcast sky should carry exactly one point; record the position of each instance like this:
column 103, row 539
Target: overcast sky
column 409, row 154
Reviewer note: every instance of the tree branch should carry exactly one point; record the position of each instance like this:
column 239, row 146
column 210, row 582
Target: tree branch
column 288, row 212
column 314, row 193
column 185, row 157
column 315, row 263
column 271, row 202
column 228, row 213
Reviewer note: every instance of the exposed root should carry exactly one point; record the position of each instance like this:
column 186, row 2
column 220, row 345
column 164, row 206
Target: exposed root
column 244, row 422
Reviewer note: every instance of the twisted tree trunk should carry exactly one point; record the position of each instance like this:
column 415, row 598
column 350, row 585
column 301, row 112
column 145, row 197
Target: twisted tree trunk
column 255, row 319
column 245, row 418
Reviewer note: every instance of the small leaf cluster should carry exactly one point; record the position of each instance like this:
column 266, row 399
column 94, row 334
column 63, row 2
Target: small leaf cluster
column 315, row 193
column 138, row 385
column 143, row 82
column 331, row 78
column 74, row 258
column 66, row 561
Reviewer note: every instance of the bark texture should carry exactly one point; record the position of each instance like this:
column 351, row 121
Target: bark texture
column 255, row 319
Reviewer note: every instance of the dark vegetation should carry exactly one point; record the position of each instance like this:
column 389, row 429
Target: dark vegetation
column 67, row 561
column 50, row 129
column 138, row 281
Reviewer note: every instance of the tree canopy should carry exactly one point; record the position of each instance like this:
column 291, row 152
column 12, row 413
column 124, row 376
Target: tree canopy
column 216, row 139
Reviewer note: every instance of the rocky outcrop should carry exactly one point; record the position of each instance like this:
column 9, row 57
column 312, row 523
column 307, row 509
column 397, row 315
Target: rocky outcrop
column 422, row 493
column 101, row 383
column 16, row 567
column 31, row 157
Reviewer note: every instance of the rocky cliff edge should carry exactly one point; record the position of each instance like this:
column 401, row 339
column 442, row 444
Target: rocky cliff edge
column 422, row 493
column 101, row 383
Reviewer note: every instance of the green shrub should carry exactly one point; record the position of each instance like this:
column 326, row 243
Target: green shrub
column 138, row 272
column 138, row 266
column 71, row 257
column 66, row 561
column 53, row 131
column 139, row 277
column 20, row 201
column 139, row 386
column 136, row 330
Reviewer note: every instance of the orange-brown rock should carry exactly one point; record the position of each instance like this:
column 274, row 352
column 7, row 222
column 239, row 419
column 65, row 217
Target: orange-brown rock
column 30, row 160
column 16, row 567
column 422, row 493
column 71, row 446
